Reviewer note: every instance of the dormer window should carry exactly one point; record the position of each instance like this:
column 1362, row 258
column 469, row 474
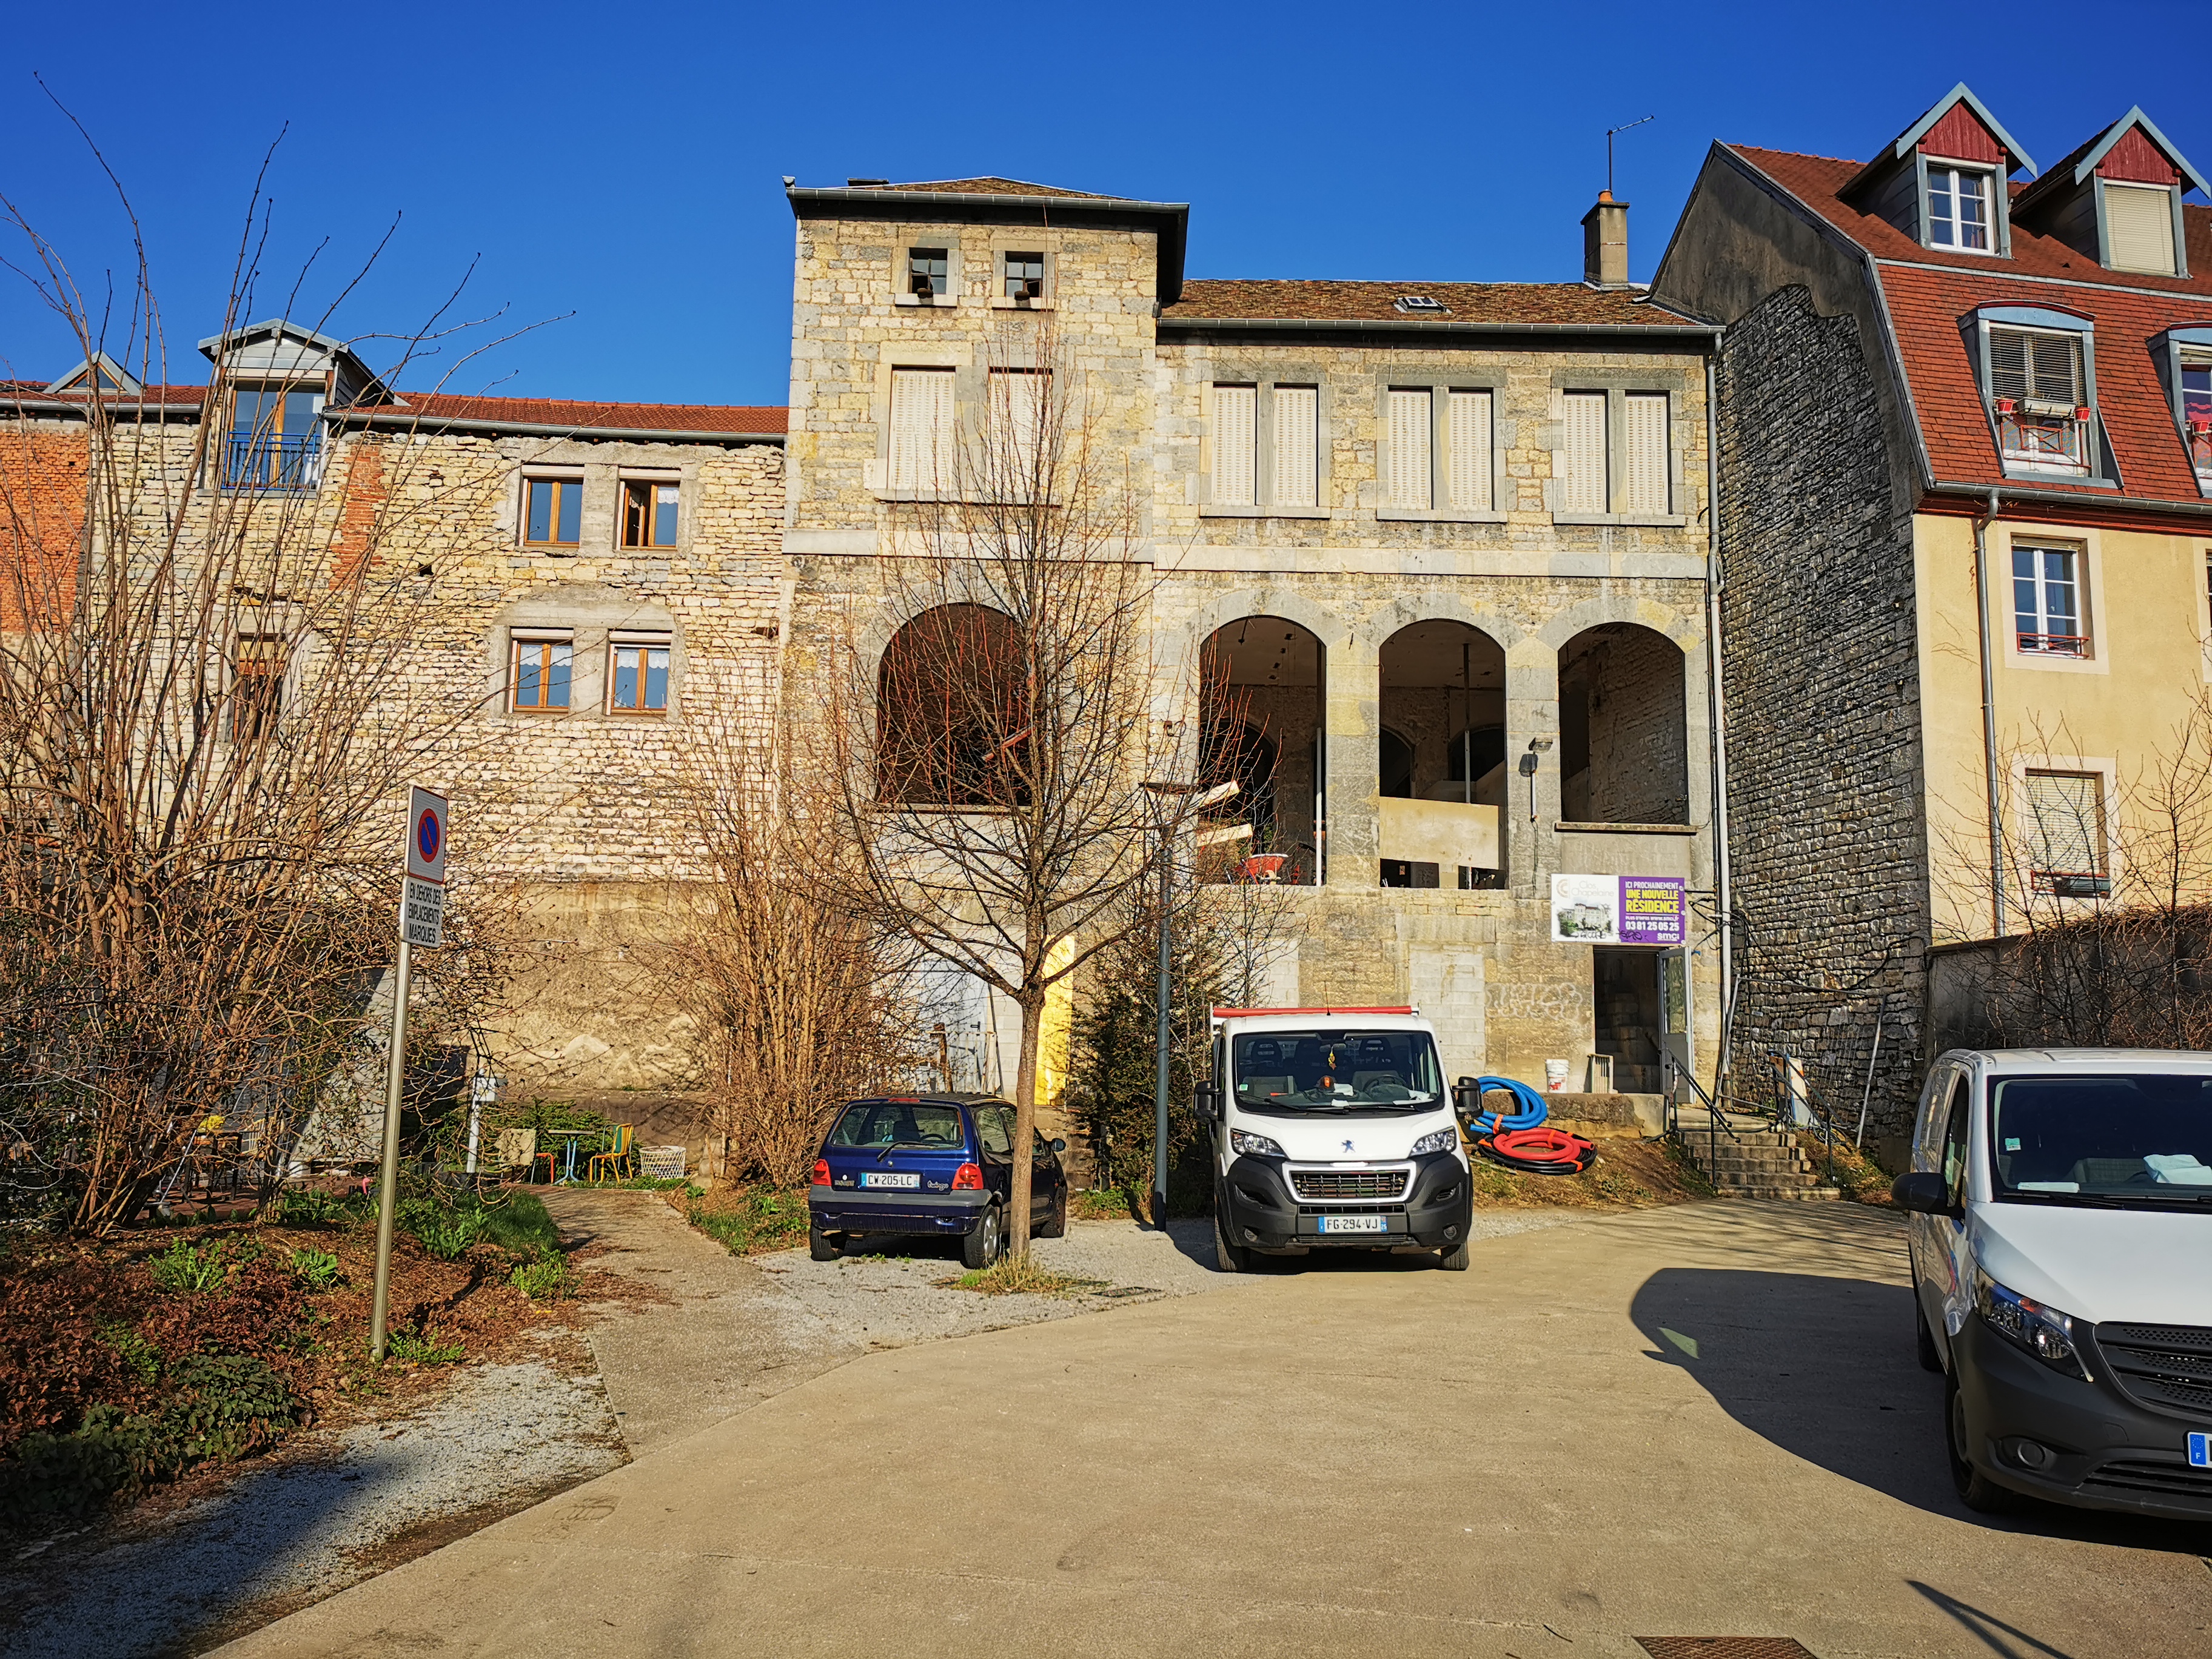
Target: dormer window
column 275, row 442
column 2039, row 371
column 2185, row 365
column 1958, row 207
column 2139, row 227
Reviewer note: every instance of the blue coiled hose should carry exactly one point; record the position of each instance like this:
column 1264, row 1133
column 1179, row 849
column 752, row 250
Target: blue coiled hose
column 1533, row 1111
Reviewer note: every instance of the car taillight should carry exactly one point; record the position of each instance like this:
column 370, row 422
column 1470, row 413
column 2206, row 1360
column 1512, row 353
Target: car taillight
column 821, row 1172
column 968, row 1178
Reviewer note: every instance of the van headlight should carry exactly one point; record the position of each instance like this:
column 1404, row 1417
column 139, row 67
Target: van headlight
column 1253, row 1145
column 1436, row 1140
column 2030, row 1326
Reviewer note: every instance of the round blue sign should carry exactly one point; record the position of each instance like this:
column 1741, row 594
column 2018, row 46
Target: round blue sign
column 427, row 836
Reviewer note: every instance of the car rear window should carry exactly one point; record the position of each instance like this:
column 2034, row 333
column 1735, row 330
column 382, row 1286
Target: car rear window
column 899, row 1122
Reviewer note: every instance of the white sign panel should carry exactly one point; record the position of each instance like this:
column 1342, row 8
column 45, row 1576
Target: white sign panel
column 426, row 837
column 422, row 914
column 1586, row 910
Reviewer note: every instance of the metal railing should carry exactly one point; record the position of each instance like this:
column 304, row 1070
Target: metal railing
column 257, row 460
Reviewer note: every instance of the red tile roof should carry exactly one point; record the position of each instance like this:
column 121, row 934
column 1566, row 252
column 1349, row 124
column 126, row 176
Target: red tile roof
column 1545, row 303
column 1929, row 291
column 995, row 186
column 436, row 407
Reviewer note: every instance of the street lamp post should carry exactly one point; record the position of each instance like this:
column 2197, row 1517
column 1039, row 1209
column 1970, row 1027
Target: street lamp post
column 1198, row 796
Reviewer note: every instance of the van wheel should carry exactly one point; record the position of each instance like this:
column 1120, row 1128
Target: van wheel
column 1924, row 1339
column 1229, row 1258
column 824, row 1247
column 984, row 1240
column 1976, row 1489
column 1453, row 1261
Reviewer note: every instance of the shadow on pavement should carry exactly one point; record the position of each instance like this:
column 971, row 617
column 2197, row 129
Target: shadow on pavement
column 1824, row 1367
column 1991, row 1630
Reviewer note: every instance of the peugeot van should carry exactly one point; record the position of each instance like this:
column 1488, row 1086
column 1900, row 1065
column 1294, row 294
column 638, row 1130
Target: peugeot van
column 2061, row 1240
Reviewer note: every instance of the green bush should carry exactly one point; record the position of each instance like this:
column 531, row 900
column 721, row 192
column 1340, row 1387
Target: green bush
column 445, row 1233
column 317, row 1269
column 187, row 1269
column 547, row 1279
column 308, row 1208
column 139, row 1356
column 750, row 1218
column 422, row 1347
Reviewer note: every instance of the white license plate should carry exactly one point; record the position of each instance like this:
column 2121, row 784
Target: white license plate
column 1354, row 1223
column 891, row 1180
column 2200, row 1451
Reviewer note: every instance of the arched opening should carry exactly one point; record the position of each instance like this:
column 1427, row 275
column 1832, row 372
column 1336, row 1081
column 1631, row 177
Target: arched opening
column 953, row 717
column 1624, row 749
column 1261, row 724
column 1442, row 707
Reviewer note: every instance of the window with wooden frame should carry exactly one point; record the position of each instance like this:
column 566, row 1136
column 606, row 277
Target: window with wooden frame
column 1469, row 483
column 649, row 512
column 1025, row 275
column 928, row 271
column 1236, row 446
column 1587, row 487
column 540, row 672
column 1958, row 213
column 637, row 674
column 2138, row 227
column 1645, row 482
column 2067, row 852
column 552, row 511
column 257, row 687
column 2039, row 399
column 275, row 439
column 1296, row 474
column 923, row 410
column 1411, row 485
column 2046, row 600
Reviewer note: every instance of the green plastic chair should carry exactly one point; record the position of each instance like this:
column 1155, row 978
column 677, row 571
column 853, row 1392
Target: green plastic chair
column 623, row 1152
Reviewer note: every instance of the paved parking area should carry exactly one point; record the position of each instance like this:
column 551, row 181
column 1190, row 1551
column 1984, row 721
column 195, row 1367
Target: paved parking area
column 1698, row 1421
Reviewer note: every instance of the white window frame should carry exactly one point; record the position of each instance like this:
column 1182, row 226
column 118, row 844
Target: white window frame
column 2179, row 244
column 1443, row 507
column 1267, row 446
column 2040, row 551
column 1991, row 192
column 2089, row 583
column 1617, row 389
column 2038, row 320
column 2181, row 349
column 2029, row 829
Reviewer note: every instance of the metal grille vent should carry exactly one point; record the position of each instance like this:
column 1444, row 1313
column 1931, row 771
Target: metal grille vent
column 1386, row 1184
column 2164, row 1367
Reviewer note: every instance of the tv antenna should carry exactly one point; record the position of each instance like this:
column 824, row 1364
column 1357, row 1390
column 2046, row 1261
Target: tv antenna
column 1609, row 131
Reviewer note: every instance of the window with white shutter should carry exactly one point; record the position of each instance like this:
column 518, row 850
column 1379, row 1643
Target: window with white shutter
column 1470, row 481
column 2139, row 227
column 1235, row 441
column 1410, row 467
column 922, row 429
column 2037, row 392
column 2066, row 831
column 1586, row 488
column 1019, row 402
column 1644, row 488
column 1298, row 446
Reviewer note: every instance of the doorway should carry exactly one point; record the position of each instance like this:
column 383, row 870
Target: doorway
column 1628, row 1023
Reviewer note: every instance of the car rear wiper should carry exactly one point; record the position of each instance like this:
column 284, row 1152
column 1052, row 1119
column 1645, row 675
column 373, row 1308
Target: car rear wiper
column 921, row 1145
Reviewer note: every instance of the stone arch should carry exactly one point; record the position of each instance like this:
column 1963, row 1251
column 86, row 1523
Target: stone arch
column 1624, row 734
column 951, row 710
column 1262, row 681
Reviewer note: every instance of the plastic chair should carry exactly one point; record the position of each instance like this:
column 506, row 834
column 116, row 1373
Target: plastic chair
column 624, row 1151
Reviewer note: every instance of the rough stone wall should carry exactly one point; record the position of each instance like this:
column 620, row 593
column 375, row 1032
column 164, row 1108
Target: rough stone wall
column 1825, row 765
column 1625, row 729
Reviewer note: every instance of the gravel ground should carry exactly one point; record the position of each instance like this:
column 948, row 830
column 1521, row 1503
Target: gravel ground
column 297, row 1528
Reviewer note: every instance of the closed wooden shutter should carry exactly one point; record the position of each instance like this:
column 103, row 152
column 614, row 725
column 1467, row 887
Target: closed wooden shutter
column 1409, row 449
column 1297, row 456
column 1644, row 488
column 1235, row 441
column 1586, row 488
column 1019, row 397
column 1470, row 451
column 2045, row 367
column 2139, row 227
column 2069, row 827
column 922, row 429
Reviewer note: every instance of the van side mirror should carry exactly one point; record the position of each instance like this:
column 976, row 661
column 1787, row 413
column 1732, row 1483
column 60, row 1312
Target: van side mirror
column 1467, row 1097
column 1206, row 1101
column 1923, row 1191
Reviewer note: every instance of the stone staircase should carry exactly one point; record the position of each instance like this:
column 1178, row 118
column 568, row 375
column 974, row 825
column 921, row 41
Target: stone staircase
column 1757, row 1161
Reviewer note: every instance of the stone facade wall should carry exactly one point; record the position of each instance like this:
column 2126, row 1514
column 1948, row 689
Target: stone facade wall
column 1623, row 688
column 1825, row 798
column 42, row 508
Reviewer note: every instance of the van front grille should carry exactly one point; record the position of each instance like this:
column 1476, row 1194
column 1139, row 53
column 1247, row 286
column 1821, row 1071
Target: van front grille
column 2142, row 1477
column 1386, row 1186
column 2164, row 1367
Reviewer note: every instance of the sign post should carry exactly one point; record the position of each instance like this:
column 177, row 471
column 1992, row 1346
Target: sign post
column 421, row 921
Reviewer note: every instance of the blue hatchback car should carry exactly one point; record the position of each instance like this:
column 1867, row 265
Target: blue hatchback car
column 930, row 1163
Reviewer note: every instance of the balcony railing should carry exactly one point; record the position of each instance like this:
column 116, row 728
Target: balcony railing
column 2056, row 645
column 2034, row 432
column 265, row 461
column 2073, row 883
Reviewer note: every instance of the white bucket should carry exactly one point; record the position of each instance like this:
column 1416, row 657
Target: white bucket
column 1555, row 1076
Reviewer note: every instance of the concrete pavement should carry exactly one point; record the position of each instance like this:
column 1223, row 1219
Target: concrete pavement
column 1698, row 1421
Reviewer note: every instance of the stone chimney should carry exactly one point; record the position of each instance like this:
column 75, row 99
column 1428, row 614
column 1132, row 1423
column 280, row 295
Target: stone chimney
column 1605, row 243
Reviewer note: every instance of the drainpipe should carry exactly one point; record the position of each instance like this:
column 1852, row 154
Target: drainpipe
column 1989, row 716
column 1716, row 716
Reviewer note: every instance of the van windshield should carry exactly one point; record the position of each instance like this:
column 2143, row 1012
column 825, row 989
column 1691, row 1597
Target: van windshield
column 2139, row 1141
column 1343, row 1070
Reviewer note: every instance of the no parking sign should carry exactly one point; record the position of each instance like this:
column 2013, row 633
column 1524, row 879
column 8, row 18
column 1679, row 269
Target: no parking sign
column 422, row 903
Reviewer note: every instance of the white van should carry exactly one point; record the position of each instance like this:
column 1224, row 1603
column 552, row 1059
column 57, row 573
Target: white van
column 1333, row 1128
column 2062, row 1253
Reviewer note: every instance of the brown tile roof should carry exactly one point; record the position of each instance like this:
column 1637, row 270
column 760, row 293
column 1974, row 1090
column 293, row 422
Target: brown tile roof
column 1929, row 292
column 432, row 407
column 168, row 396
column 1549, row 303
column 995, row 186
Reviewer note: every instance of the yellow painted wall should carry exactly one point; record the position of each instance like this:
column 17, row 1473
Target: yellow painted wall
column 2112, row 711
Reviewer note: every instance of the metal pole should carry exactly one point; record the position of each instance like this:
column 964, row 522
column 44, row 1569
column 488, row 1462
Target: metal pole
column 1160, row 1068
column 1867, row 1093
column 1989, row 718
column 387, row 1201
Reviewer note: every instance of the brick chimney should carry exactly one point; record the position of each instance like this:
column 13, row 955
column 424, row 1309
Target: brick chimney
column 1605, row 243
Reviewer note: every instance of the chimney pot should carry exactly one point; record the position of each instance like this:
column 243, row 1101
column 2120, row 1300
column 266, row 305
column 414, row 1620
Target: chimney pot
column 1605, row 243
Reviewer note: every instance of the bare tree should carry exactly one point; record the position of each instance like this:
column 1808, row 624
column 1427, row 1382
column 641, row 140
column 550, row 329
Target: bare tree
column 206, row 727
column 988, row 765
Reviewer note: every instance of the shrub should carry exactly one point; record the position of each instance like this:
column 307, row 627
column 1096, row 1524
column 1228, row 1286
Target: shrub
column 308, row 1208
column 746, row 1219
column 445, row 1234
column 317, row 1269
column 423, row 1348
column 141, row 1357
column 187, row 1269
column 547, row 1279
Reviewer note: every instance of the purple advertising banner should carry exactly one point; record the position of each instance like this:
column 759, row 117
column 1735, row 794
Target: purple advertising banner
column 1652, row 909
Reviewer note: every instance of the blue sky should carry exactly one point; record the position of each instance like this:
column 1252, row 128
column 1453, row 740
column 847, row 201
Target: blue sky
column 612, row 175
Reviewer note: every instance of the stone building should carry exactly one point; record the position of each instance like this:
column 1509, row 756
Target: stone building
column 1966, row 433
column 1445, row 544
column 596, row 587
